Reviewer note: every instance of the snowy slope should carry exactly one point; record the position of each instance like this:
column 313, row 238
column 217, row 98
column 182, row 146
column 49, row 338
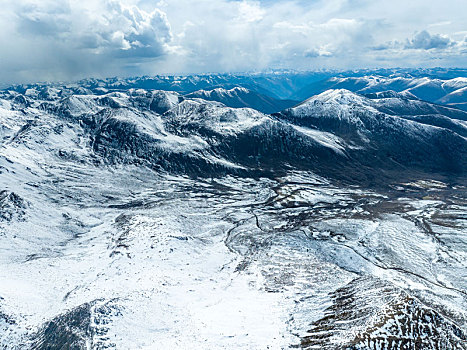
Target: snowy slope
column 238, row 97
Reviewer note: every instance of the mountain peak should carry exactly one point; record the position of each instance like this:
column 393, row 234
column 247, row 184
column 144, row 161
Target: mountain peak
column 335, row 96
column 331, row 102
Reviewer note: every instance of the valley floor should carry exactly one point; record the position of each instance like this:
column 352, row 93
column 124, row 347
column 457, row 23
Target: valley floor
column 124, row 258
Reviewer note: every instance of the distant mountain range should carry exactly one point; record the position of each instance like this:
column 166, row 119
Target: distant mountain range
column 239, row 97
column 450, row 92
column 439, row 85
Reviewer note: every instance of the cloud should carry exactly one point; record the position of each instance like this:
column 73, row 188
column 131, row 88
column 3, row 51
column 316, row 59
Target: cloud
column 425, row 41
column 317, row 52
column 127, row 31
column 113, row 29
column 222, row 39
column 70, row 39
column 46, row 19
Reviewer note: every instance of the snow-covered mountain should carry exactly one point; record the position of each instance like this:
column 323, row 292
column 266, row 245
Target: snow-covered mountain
column 152, row 219
column 277, row 85
column 388, row 132
column 450, row 92
column 332, row 133
column 239, row 97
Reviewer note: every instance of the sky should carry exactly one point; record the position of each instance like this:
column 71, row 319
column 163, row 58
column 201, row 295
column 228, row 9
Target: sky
column 49, row 40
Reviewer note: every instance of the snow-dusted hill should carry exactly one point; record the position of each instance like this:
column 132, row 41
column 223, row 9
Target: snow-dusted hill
column 152, row 219
column 450, row 92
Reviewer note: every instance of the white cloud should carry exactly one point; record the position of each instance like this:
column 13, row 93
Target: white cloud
column 68, row 39
column 426, row 41
column 250, row 11
column 318, row 52
column 132, row 32
column 113, row 26
column 71, row 39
